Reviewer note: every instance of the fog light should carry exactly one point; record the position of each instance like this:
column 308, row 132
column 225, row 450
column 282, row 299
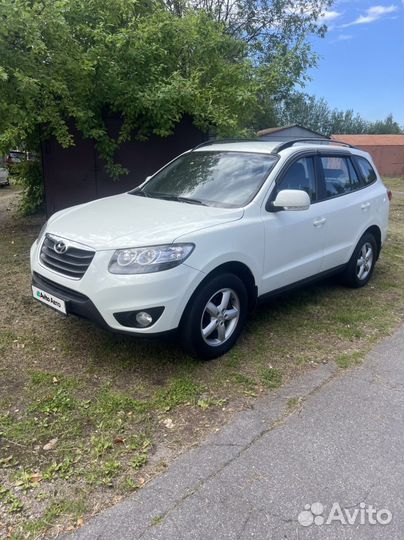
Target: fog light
column 139, row 319
column 144, row 319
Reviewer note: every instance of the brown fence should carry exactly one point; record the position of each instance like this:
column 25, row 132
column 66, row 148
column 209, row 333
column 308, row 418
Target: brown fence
column 387, row 151
column 389, row 160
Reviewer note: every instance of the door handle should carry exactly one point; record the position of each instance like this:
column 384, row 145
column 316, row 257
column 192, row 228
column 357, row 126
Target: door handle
column 365, row 206
column 319, row 222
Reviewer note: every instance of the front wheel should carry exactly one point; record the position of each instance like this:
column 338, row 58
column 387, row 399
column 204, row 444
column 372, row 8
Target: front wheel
column 360, row 267
column 215, row 316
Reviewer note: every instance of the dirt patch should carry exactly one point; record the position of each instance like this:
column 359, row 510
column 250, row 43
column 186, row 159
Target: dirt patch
column 9, row 196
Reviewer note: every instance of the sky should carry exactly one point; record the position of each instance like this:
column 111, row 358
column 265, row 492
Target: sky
column 361, row 64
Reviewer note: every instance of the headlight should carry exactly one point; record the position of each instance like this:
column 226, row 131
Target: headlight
column 42, row 231
column 149, row 259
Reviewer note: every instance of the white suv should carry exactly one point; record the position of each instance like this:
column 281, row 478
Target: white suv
column 221, row 226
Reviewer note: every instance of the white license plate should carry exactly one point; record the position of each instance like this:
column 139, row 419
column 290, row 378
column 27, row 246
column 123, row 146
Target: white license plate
column 49, row 299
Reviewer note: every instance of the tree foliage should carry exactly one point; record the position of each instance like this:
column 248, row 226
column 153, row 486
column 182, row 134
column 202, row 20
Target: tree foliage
column 80, row 60
column 28, row 175
column 316, row 114
column 270, row 28
column 387, row 126
column 150, row 61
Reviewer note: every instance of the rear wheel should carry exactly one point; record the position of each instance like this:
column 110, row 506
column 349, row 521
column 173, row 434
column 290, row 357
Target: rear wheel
column 215, row 316
column 360, row 267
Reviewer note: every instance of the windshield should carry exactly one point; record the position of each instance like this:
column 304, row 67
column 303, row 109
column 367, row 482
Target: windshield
column 226, row 179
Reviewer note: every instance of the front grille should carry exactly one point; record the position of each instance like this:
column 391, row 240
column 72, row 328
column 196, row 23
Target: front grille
column 72, row 263
column 58, row 290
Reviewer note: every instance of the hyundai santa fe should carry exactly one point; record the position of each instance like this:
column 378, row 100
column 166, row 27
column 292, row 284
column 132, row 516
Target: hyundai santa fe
column 223, row 225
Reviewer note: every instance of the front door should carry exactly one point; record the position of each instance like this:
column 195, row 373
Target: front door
column 294, row 240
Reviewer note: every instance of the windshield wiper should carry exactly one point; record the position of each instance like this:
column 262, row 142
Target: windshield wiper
column 139, row 192
column 168, row 197
column 191, row 201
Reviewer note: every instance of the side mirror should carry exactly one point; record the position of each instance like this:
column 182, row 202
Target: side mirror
column 292, row 199
column 147, row 178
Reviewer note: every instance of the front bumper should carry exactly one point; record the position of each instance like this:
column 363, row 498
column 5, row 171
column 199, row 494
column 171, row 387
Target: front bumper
column 76, row 303
column 100, row 295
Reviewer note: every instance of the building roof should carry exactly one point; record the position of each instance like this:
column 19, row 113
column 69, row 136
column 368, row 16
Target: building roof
column 270, row 131
column 371, row 140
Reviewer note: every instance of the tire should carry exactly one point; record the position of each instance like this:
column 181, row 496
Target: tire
column 360, row 267
column 214, row 317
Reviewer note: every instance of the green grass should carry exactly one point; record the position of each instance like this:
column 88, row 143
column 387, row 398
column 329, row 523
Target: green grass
column 348, row 360
column 6, row 340
column 10, row 501
column 113, row 401
column 247, row 382
column 179, row 391
column 75, row 508
column 293, row 403
column 157, row 520
column 138, row 461
column 271, row 378
column 395, row 184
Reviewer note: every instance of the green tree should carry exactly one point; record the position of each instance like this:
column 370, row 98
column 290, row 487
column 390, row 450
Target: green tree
column 306, row 110
column 276, row 33
column 316, row 114
column 386, row 126
column 148, row 61
column 80, row 60
column 270, row 28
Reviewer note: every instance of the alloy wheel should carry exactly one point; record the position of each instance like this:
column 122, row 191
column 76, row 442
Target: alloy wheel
column 365, row 261
column 220, row 317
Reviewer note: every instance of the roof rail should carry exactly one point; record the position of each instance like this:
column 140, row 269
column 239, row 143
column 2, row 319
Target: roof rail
column 229, row 140
column 288, row 144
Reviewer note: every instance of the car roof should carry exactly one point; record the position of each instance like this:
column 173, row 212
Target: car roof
column 270, row 147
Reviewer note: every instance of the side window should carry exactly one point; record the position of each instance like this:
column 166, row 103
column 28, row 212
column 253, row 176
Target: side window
column 366, row 169
column 355, row 180
column 339, row 175
column 300, row 175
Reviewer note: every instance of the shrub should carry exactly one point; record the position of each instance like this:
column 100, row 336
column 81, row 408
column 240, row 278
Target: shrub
column 28, row 175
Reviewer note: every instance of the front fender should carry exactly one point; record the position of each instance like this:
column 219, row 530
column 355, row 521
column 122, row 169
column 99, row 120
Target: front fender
column 241, row 241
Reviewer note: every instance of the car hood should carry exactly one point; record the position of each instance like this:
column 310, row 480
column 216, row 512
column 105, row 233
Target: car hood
column 131, row 221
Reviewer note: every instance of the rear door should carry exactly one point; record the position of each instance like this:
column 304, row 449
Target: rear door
column 347, row 204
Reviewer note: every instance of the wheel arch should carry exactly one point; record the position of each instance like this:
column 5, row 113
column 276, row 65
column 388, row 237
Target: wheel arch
column 237, row 268
column 377, row 233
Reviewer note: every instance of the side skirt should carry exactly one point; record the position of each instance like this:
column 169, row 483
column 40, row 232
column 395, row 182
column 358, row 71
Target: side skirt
column 301, row 283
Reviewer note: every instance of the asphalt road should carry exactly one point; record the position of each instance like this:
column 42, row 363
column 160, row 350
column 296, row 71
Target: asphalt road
column 342, row 448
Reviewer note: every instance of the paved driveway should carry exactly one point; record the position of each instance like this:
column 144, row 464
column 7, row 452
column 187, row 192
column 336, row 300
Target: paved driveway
column 341, row 448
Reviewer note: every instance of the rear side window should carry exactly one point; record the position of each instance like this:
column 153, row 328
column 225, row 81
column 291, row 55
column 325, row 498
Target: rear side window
column 339, row 175
column 366, row 169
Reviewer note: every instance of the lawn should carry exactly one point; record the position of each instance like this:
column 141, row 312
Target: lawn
column 87, row 417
